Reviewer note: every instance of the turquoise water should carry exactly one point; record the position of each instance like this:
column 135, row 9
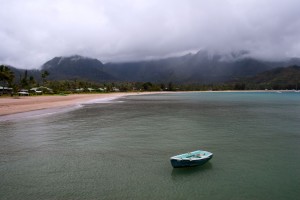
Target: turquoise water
column 121, row 150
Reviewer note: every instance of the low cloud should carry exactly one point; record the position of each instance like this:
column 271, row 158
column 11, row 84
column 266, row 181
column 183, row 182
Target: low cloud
column 32, row 32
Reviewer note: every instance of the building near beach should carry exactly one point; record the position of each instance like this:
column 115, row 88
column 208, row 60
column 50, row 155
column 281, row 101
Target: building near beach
column 23, row 92
column 5, row 90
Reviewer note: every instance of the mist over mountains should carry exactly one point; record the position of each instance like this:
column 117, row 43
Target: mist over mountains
column 202, row 67
column 76, row 67
column 33, row 31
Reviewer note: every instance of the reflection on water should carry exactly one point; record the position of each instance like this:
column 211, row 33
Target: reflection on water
column 191, row 171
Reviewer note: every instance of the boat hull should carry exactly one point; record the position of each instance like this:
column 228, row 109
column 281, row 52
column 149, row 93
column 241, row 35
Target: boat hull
column 176, row 163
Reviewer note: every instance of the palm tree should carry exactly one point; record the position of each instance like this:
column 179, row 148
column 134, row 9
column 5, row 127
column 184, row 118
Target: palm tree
column 44, row 76
column 31, row 81
column 6, row 76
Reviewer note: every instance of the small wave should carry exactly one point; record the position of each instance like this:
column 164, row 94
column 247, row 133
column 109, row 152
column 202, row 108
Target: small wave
column 38, row 113
column 102, row 100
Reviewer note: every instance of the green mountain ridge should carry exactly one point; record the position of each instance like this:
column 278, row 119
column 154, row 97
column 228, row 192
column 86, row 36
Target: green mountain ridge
column 279, row 76
column 191, row 68
column 199, row 68
column 76, row 67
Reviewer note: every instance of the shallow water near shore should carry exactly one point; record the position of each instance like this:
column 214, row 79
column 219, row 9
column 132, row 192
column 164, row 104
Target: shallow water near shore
column 121, row 149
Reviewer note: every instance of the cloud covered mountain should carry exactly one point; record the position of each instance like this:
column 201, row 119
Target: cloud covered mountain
column 76, row 67
column 202, row 67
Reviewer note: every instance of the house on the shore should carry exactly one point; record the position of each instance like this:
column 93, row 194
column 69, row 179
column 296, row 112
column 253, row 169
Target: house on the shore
column 41, row 90
column 35, row 91
column 90, row 89
column 114, row 89
column 23, row 92
column 79, row 90
column 5, row 90
column 102, row 89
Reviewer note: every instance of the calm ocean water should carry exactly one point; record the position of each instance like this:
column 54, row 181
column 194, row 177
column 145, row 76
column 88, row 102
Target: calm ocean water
column 121, row 149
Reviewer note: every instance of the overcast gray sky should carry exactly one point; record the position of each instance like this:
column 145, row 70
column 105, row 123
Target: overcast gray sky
column 34, row 31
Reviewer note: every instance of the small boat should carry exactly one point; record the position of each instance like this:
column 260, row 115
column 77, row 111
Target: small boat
column 191, row 159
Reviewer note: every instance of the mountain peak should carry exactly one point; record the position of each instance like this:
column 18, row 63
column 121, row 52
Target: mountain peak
column 67, row 60
column 222, row 56
column 76, row 67
column 78, row 57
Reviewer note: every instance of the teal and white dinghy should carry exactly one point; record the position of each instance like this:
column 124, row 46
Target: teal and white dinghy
column 190, row 159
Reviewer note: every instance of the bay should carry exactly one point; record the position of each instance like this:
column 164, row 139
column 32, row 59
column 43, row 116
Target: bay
column 121, row 149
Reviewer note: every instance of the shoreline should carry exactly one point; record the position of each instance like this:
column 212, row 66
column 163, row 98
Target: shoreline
column 23, row 104
column 16, row 104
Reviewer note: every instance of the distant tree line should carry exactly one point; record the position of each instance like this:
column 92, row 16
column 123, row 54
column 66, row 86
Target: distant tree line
column 27, row 81
column 24, row 81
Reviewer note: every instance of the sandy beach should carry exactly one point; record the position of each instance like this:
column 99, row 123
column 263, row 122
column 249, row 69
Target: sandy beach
column 13, row 105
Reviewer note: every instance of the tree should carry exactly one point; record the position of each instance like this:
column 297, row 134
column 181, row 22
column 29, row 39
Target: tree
column 170, row 86
column 240, row 86
column 147, row 86
column 31, row 81
column 162, row 86
column 6, row 74
column 24, row 80
column 44, row 75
